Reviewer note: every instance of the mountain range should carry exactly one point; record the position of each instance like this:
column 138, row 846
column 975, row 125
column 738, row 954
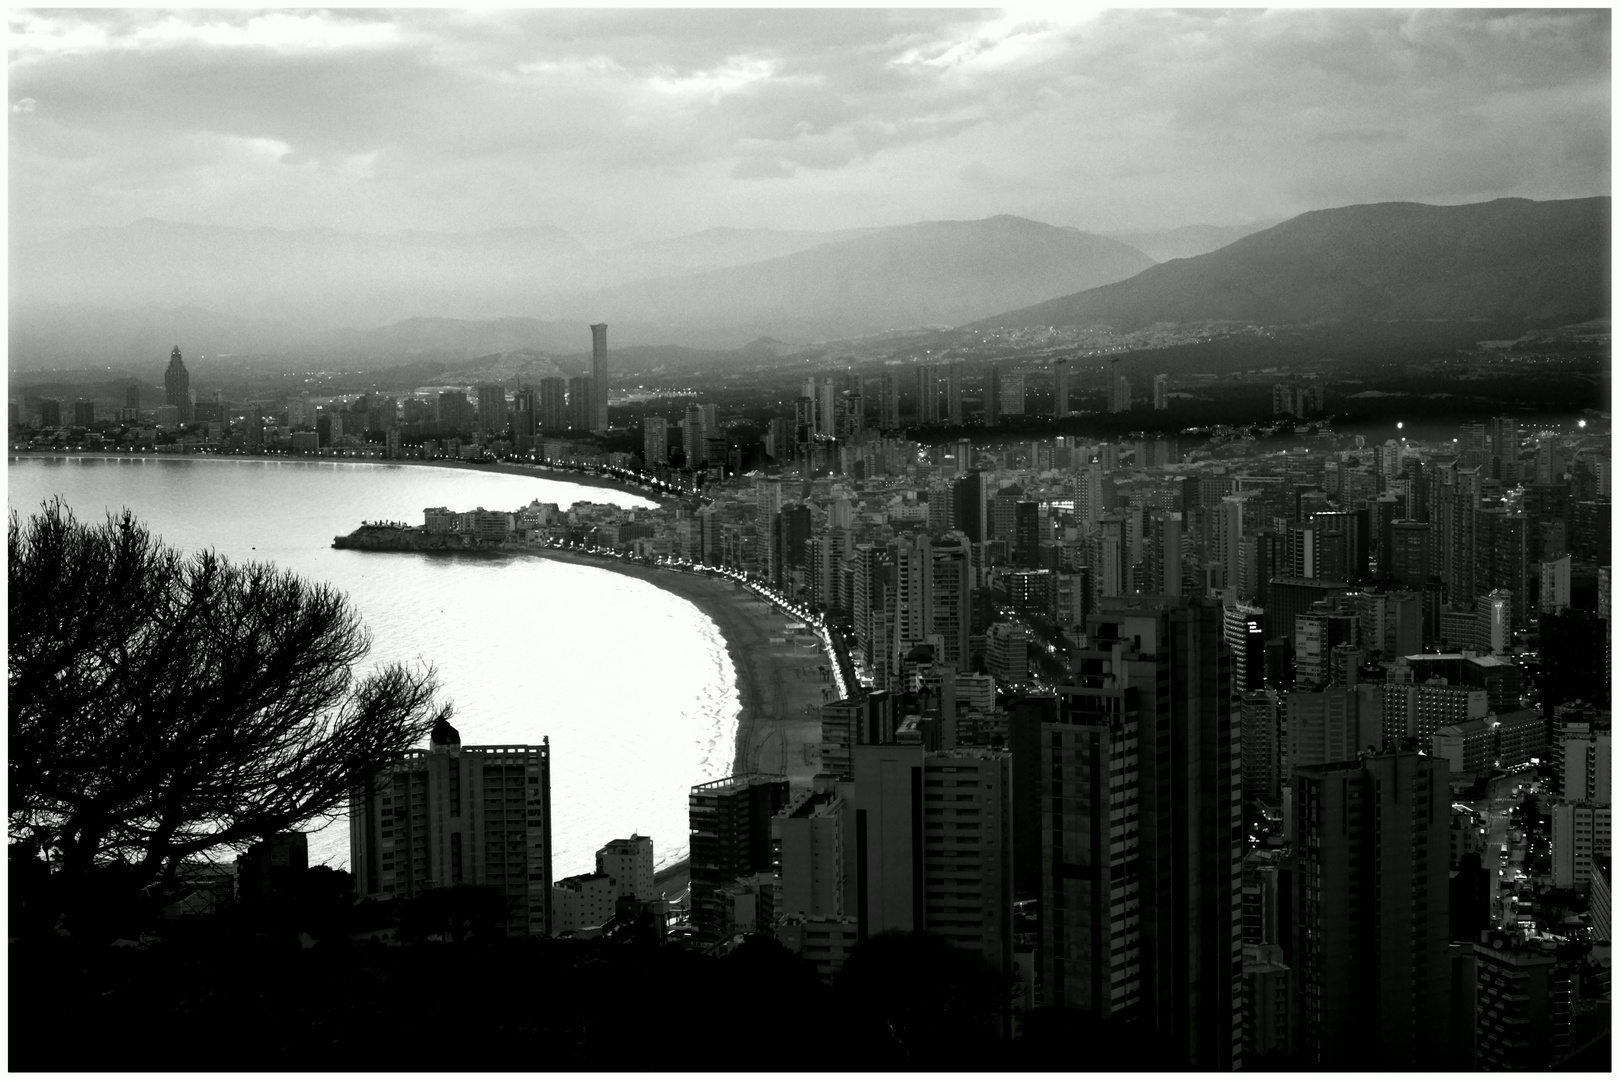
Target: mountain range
column 1538, row 263
column 116, row 296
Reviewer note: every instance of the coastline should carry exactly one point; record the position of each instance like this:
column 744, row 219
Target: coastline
column 562, row 476
column 780, row 686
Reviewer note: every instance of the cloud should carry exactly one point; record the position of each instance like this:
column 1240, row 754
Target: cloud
column 760, row 168
column 616, row 122
column 25, row 105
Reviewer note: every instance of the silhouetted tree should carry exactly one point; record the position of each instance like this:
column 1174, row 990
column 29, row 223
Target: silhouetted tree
column 165, row 706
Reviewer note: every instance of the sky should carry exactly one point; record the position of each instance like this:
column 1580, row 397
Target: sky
column 621, row 125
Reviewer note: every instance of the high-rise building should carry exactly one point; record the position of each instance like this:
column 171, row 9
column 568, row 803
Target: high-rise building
column 1060, row 389
column 888, row 405
column 992, row 396
column 458, row 815
column 629, row 867
column 598, row 377
column 525, row 417
column 1263, row 747
column 1119, row 399
column 581, row 402
column 654, row 441
column 84, row 413
column 1012, row 393
column 730, row 839
column 933, row 841
column 454, row 413
column 699, row 425
column 492, row 410
column 1371, row 912
column 1525, row 1010
column 177, row 386
column 1160, row 392
column 953, row 392
column 1141, row 830
column 553, row 404
column 927, row 393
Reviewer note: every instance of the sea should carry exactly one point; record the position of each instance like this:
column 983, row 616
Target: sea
column 632, row 685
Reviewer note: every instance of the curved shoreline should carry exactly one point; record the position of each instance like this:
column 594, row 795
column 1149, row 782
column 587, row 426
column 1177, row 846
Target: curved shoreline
column 561, row 476
column 779, row 686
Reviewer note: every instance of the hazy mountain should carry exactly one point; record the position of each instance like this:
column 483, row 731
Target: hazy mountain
column 933, row 273
column 315, row 278
column 1187, row 240
column 1510, row 259
column 73, row 335
column 713, row 249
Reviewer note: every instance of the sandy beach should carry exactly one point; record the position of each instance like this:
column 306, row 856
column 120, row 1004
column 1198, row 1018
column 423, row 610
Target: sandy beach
column 781, row 686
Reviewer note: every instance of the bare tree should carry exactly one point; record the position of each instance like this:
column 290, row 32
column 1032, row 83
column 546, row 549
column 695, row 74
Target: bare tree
column 165, row 706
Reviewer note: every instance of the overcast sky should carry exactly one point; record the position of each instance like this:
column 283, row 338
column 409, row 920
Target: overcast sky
column 626, row 125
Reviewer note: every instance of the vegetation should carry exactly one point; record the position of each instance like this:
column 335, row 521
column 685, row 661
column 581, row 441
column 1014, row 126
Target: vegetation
column 167, row 707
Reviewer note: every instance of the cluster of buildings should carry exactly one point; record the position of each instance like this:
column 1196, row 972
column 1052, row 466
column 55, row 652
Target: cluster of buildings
column 1192, row 738
column 448, row 421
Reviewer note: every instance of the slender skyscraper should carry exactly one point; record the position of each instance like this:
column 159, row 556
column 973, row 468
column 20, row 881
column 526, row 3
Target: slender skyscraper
column 1120, row 398
column 1371, row 906
column 1141, row 831
column 992, row 396
column 492, row 410
column 888, row 414
column 953, row 391
column 654, row 440
column 1060, row 389
column 177, row 386
column 927, row 393
column 1160, row 392
column 598, row 375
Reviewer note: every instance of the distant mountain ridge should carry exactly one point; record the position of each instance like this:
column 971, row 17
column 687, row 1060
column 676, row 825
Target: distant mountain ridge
column 1185, row 241
column 1509, row 259
column 937, row 273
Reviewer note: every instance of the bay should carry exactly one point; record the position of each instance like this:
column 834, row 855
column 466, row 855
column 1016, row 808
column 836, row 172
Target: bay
column 632, row 684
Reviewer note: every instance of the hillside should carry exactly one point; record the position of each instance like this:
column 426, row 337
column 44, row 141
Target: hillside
column 1513, row 260
column 932, row 273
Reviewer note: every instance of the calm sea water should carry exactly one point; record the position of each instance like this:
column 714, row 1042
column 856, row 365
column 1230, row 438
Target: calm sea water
column 632, row 684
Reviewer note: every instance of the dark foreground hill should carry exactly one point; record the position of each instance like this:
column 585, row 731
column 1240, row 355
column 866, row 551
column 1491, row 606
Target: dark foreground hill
column 1513, row 260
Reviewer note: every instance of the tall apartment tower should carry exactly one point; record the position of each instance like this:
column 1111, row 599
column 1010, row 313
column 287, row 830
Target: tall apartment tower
column 654, row 441
column 492, row 410
column 1060, row 389
column 177, row 387
column 458, row 815
column 553, row 404
column 888, row 407
column 933, row 845
column 598, row 376
column 628, row 866
column 730, row 839
column 927, row 393
column 992, row 396
column 525, row 417
column 952, row 394
column 581, row 402
column 1119, row 400
column 1141, row 829
column 1371, row 912
column 1160, row 392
